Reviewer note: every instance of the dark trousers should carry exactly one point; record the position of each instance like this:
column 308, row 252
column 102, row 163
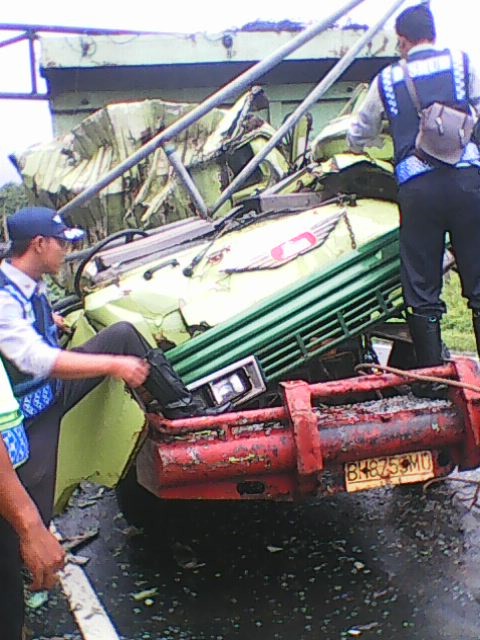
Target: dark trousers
column 38, row 473
column 444, row 200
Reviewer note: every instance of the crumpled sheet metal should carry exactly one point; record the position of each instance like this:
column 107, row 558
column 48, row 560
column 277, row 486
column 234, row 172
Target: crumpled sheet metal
column 149, row 194
column 332, row 139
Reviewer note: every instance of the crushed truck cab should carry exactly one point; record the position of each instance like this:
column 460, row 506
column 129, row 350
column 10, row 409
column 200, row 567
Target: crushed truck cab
column 265, row 267
column 288, row 287
column 293, row 287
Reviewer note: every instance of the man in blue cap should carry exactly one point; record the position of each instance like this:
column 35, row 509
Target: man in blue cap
column 47, row 382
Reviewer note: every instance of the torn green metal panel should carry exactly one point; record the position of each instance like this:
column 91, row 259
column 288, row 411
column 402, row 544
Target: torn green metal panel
column 98, row 438
column 99, row 435
column 149, row 194
column 188, row 68
column 59, row 170
column 332, row 139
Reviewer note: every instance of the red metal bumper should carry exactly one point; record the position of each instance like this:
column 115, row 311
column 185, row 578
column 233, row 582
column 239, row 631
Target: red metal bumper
column 300, row 449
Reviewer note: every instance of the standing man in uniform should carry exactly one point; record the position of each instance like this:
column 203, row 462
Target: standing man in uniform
column 48, row 381
column 434, row 197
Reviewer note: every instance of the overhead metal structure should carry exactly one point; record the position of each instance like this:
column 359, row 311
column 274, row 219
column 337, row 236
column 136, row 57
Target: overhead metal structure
column 29, row 34
column 233, row 88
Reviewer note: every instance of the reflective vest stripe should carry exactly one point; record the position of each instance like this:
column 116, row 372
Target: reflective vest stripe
column 413, row 166
column 12, row 430
column 35, row 395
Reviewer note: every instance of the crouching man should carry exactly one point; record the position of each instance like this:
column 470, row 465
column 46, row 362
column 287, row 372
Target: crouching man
column 47, row 382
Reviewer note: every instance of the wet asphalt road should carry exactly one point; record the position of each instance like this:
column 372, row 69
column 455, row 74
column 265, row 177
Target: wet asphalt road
column 393, row 563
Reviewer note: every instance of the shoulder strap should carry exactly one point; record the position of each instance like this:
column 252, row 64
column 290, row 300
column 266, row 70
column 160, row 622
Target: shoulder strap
column 412, row 91
column 13, row 290
column 43, row 317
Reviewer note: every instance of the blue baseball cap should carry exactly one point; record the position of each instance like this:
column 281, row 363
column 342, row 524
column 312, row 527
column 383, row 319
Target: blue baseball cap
column 31, row 222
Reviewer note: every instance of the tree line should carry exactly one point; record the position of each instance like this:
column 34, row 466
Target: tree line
column 13, row 196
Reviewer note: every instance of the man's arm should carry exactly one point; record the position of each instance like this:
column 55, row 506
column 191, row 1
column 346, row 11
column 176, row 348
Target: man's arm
column 41, row 552
column 70, row 365
column 367, row 123
column 21, row 344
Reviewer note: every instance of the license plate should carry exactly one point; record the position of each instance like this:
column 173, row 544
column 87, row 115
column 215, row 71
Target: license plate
column 372, row 473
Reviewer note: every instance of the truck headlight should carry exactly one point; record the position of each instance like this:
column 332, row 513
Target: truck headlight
column 228, row 388
column 236, row 383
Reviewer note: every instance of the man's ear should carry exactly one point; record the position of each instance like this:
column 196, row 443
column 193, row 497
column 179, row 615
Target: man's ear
column 404, row 45
column 38, row 244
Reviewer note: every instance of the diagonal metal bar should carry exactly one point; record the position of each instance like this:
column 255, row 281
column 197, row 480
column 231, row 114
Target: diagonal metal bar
column 182, row 172
column 319, row 90
column 243, row 81
column 14, row 40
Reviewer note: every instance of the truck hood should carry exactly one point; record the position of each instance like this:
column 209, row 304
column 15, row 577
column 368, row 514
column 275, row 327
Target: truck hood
column 239, row 264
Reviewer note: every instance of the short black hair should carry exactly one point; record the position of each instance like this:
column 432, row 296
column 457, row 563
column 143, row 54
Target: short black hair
column 416, row 24
column 18, row 247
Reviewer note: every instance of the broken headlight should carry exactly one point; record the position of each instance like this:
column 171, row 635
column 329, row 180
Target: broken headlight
column 236, row 383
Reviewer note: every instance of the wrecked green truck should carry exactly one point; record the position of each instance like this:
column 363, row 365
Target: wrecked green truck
column 271, row 303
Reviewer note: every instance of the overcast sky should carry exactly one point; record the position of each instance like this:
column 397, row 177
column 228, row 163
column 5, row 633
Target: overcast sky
column 24, row 123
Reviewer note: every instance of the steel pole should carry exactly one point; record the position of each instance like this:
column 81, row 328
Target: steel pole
column 319, row 90
column 243, row 81
column 182, row 172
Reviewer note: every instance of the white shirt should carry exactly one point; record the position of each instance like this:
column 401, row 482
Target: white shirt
column 19, row 340
column 367, row 124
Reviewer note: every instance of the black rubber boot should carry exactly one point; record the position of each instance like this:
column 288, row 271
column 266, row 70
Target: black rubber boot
column 426, row 336
column 163, row 382
column 427, row 341
column 168, row 389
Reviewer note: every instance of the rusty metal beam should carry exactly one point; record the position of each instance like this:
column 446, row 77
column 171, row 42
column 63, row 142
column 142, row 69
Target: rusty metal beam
column 286, row 451
column 366, row 384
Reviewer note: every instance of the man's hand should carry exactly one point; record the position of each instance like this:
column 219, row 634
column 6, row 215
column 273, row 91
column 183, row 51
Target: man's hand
column 71, row 365
column 133, row 370
column 61, row 324
column 42, row 555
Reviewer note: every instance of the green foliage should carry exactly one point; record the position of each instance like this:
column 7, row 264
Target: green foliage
column 12, row 197
column 457, row 331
